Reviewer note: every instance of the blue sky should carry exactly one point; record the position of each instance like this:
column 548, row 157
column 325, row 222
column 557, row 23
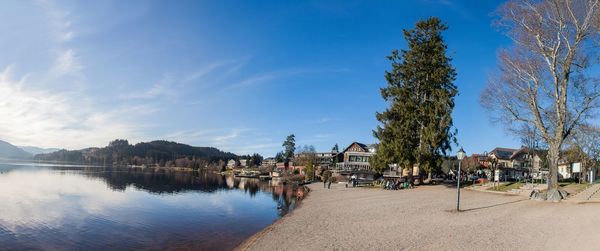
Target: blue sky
column 237, row 75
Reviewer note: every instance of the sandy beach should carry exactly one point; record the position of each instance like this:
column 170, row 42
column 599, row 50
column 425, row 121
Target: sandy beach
column 423, row 219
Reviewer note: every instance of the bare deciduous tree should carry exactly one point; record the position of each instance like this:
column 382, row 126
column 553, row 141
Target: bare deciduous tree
column 545, row 79
column 587, row 138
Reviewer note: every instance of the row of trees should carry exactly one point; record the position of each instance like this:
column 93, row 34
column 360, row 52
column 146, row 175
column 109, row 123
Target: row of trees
column 254, row 160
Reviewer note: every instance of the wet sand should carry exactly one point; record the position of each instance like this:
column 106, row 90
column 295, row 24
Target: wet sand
column 425, row 219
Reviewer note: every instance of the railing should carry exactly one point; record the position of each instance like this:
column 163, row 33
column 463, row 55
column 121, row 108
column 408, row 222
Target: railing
column 352, row 167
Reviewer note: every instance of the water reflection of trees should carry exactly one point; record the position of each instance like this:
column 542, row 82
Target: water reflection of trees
column 171, row 181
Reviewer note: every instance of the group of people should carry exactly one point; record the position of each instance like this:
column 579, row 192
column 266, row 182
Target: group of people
column 396, row 184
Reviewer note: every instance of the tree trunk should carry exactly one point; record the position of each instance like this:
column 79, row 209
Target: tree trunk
column 554, row 193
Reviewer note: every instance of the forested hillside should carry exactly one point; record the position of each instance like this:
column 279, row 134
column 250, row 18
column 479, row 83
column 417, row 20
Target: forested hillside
column 161, row 153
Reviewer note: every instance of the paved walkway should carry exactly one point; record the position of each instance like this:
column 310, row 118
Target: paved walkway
column 591, row 194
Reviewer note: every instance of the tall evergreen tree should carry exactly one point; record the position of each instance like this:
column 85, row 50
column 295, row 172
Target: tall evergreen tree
column 416, row 127
column 289, row 146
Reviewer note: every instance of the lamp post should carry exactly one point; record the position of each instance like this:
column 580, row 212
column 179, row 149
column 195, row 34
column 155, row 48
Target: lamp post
column 460, row 156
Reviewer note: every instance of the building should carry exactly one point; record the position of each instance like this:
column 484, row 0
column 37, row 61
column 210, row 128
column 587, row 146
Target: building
column 326, row 159
column 516, row 164
column 280, row 166
column 503, row 156
column 322, row 159
column 569, row 169
column 355, row 157
column 243, row 163
column 269, row 162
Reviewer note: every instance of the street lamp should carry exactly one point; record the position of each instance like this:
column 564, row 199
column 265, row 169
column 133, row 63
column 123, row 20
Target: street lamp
column 460, row 156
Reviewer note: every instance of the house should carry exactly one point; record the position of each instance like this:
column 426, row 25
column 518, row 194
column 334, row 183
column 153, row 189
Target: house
column 565, row 169
column 243, row 162
column 355, row 157
column 269, row 162
column 322, row 159
column 326, row 159
column 569, row 169
column 503, row 156
column 280, row 166
column 516, row 164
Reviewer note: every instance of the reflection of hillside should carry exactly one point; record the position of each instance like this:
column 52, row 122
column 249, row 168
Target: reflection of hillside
column 163, row 180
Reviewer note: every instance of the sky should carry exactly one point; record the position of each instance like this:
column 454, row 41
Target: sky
column 236, row 75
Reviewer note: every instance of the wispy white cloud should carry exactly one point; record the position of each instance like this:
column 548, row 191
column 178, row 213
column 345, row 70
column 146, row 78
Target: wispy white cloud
column 67, row 62
column 203, row 71
column 50, row 119
column 59, row 21
column 279, row 74
column 164, row 88
column 324, row 120
column 171, row 86
column 231, row 135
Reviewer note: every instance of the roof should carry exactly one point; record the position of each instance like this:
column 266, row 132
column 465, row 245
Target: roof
column 526, row 150
column 503, row 153
column 361, row 145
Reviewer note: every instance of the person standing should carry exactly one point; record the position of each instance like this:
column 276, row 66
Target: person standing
column 326, row 177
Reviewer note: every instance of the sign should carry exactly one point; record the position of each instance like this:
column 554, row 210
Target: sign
column 576, row 167
column 497, row 176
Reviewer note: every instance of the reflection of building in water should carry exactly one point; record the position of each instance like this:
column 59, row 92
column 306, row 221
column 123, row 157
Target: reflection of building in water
column 242, row 184
column 231, row 164
column 230, row 180
column 275, row 182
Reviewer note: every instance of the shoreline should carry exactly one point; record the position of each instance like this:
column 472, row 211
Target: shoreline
column 246, row 244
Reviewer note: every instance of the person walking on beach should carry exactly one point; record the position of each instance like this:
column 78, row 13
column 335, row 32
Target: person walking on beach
column 326, row 177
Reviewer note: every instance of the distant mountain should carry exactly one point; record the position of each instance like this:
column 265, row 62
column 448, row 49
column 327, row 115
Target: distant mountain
column 9, row 151
column 33, row 150
column 155, row 153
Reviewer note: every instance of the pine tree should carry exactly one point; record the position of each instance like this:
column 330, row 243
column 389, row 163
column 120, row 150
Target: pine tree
column 335, row 148
column 416, row 127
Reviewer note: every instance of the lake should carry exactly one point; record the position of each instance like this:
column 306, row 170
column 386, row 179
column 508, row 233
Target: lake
column 53, row 207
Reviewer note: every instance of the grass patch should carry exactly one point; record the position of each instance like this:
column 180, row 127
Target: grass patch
column 507, row 186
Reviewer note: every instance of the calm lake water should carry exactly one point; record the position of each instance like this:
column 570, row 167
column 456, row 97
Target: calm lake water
column 91, row 208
